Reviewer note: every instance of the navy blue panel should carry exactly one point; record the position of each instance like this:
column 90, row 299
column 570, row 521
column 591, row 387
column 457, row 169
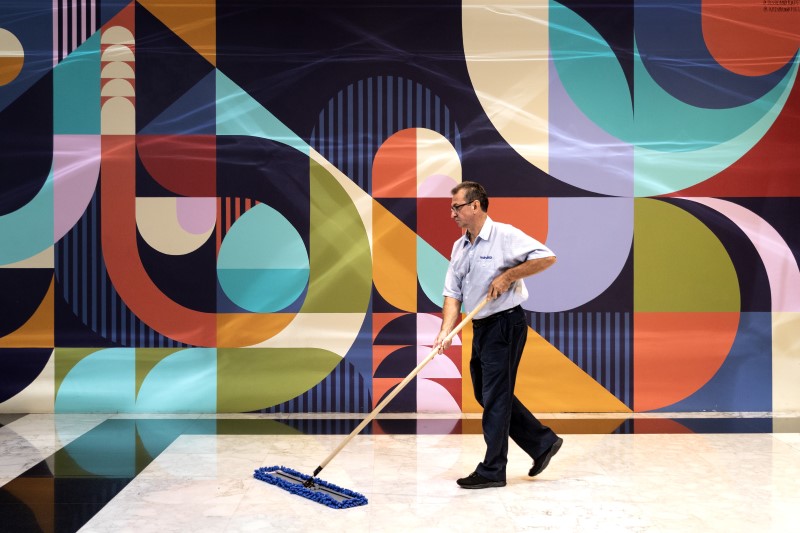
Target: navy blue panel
column 312, row 56
column 404, row 402
column 744, row 382
column 267, row 171
column 166, row 69
column 19, row 367
column 21, row 293
column 188, row 279
column 405, row 209
column 399, row 363
column 669, row 36
column 193, row 113
column 31, row 22
column 26, row 145
column 398, row 332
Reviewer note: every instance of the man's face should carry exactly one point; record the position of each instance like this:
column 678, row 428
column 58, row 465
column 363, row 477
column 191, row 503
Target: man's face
column 461, row 210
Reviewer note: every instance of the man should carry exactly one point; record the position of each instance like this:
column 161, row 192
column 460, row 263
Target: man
column 489, row 261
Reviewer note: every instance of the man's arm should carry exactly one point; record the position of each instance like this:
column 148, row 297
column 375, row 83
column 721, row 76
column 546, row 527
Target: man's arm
column 501, row 283
column 451, row 310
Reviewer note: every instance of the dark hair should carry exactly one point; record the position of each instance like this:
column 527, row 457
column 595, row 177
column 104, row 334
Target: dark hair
column 473, row 191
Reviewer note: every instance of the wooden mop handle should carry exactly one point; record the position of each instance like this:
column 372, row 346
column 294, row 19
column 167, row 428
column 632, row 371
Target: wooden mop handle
column 399, row 387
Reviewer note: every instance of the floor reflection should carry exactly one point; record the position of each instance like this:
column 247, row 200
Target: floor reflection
column 65, row 490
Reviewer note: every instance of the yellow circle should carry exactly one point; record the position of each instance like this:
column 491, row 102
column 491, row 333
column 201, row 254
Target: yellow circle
column 12, row 56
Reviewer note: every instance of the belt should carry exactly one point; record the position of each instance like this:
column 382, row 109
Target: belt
column 485, row 321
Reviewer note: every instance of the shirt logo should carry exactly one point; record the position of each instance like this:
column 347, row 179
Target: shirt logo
column 486, row 257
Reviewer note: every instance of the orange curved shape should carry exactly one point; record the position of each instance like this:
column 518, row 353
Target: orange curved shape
column 394, row 171
column 751, row 38
column 381, row 386
column 380, row 352
column 381, row 320
column 125, row 268
column 10, row 67
column 675, row 354
column 238, row 330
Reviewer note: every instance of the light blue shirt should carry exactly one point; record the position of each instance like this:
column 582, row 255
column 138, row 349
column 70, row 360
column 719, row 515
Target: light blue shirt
column 497, row 248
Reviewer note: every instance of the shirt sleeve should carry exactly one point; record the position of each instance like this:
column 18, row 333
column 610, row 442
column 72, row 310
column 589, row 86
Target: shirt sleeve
column 525, row 248
column 452, row 282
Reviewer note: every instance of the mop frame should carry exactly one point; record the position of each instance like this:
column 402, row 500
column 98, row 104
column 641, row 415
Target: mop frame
column 320, row 491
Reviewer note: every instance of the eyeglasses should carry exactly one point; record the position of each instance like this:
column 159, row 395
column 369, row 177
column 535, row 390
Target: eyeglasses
column 456, row 208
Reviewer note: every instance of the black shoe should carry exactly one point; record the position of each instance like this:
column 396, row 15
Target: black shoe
column 477, row 481
column 541, row 462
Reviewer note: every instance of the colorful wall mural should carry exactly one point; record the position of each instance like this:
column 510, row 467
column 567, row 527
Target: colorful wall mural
column 242, row 205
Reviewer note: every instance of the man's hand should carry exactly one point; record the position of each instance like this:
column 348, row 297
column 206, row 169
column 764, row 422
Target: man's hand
column 503, row 282
column 441, row 343
column 451, row 310
column 499, row 285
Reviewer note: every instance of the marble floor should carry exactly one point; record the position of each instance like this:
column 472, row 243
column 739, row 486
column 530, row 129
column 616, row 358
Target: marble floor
column 617, row 473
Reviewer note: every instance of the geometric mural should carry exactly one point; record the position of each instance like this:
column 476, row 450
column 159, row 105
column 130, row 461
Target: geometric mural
column 243, row 207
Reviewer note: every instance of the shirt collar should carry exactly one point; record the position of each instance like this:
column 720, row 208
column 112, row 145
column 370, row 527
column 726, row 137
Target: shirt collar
column 485, row 232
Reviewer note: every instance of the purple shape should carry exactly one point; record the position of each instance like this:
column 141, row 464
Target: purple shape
column 197, row 215
column 592, row 239
column 76, row 168
column 581, row 153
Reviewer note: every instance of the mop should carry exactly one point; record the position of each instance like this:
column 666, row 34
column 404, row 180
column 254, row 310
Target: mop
column 329, row 494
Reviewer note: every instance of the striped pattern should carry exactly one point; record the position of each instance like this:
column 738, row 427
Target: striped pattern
column 361, row 117
column 600, row 343
column 228, row 211
column 343, row 391
column 327, row 426
column 74, row 21
column 83, row 282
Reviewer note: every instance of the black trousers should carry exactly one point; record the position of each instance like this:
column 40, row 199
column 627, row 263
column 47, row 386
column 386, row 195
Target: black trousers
column 497, row 345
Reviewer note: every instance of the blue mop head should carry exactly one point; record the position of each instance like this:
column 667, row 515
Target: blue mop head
column 320, row 491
